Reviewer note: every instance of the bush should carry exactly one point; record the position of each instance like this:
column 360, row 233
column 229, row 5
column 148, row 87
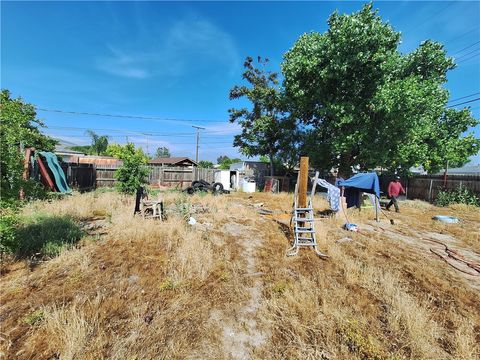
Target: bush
column 133, row 172
column 8, row 228
column 45, row 236
column 460, row 195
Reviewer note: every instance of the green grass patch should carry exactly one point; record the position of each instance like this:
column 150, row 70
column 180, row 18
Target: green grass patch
column 45, row 236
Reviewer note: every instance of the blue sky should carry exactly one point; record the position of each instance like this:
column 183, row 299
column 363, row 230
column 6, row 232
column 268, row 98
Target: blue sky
column 179, row 60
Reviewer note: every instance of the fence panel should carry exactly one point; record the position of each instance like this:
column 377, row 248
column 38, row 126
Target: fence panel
column 80, row 176
column 158, row 175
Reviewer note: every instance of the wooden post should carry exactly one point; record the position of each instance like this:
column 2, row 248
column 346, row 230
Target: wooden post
column 303, row 182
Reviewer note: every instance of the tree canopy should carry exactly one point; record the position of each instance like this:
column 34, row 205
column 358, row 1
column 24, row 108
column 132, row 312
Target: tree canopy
column 162, row 152
column 19, row 128
column 99, row 143
column 226, row 162
column 364, row 103
column 265, row 128
column 205, row 164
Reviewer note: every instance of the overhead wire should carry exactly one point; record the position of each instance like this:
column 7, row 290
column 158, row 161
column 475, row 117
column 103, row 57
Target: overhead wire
column 464, row 97
column 469, row 58
column 471, row 52
column 465, row 102
column 149, row 133
column 423, row 22
column 466, row 48
column 141, row 117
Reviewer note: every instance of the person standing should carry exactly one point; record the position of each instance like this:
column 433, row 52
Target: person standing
column 395, row 188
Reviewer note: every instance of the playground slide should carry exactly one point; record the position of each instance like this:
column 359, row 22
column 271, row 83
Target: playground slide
column 57, row 171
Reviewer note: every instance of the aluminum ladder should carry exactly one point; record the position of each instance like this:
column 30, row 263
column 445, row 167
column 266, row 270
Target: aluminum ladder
column 303, row 223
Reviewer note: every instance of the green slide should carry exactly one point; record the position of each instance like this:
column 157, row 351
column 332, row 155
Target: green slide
column 57, row 171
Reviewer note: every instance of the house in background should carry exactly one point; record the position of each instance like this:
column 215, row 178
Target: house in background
column 465, row 170
column 256, row 170
column 173, row 161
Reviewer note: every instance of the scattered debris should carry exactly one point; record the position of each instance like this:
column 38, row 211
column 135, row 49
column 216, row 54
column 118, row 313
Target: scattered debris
column 344, row 240
column 205, row 186
column 148, row 318
column 350, row 227
column 258, row 205
column 265, row 211
column 192, row 221
column 446, row 219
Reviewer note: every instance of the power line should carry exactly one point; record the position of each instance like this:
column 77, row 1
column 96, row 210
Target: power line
column 462, row 35
column 468, row 47
column 464, row 97
column 157, row 118
column 471, row 57
column 471, row 52
column 465, row 102
column 430, row 17
column 142, row 133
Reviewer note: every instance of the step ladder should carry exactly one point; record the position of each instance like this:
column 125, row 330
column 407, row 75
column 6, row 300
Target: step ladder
column 303, row 224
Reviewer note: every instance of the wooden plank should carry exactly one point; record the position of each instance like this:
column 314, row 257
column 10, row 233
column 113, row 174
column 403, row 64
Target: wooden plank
column 303, row 182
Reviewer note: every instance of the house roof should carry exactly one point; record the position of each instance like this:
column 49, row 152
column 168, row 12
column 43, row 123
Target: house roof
column 465, row 170
column 172, row 161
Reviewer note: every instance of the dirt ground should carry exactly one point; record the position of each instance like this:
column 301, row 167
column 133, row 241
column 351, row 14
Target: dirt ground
column 224, row 289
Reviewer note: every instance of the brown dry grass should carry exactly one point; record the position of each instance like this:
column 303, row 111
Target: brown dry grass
column 153, row 290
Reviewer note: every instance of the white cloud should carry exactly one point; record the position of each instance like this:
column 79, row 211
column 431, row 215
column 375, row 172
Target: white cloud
column 189, row 45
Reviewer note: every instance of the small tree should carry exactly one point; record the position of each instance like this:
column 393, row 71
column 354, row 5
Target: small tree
column 225, row 164
column 162, row 152
column 264, row 126
column 99, row 142
column 204, row 164
column 18, row 127
column 133, row 172
column 222, row 158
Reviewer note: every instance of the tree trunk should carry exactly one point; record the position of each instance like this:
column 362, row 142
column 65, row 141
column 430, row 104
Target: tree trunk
column 272, row 170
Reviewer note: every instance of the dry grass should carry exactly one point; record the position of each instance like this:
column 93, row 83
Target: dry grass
column 163, row 290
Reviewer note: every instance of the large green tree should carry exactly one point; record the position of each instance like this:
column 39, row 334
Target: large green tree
column 366, row 104
column 19, row 128
column 265, row 127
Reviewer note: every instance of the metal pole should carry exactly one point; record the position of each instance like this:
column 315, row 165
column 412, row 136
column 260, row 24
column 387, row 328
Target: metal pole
column 198, row 139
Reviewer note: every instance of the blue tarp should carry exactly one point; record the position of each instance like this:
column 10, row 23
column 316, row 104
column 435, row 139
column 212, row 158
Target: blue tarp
column 366, row 182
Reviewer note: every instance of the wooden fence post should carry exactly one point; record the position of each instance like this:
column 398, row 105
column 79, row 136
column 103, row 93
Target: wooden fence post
column 303, row 182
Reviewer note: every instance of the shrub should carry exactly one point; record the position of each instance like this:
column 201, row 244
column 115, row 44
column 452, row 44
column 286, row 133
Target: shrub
column 133, row 172
column 460, row 195
column 8, row 226
column 46, row 236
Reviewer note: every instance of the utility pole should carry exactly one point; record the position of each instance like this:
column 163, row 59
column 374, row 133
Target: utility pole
column 198, row 139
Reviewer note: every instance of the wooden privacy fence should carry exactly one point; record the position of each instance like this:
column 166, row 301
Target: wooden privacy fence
column 159, row 176
column 427, row 187
column 80, row 176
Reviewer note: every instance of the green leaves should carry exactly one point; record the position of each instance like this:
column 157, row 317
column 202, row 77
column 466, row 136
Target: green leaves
column 366, row 104
column 133, row 172
column 266, row 130
column 19, row 127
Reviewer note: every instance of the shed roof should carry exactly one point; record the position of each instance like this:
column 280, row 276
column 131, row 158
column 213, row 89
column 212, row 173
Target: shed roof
column 172, row 161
